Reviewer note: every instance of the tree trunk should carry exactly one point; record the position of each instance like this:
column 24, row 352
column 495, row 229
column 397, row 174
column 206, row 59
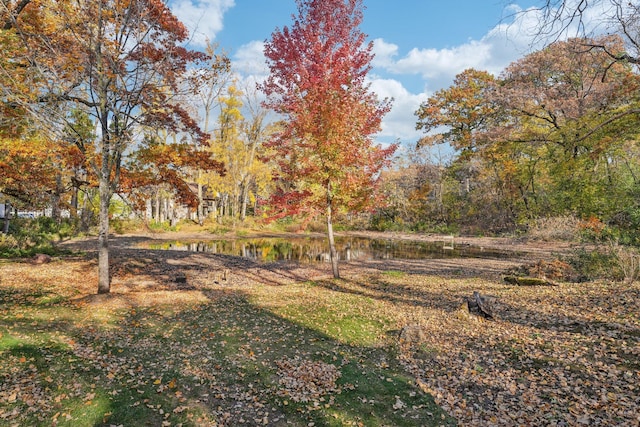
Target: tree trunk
column 200, row 213
column 332, row 244
column 56, row 213
column 7, row 217
column 235, row 203
column 74, row 202
column 104, row 279
column 156, row 212
column 244, row 196
column 87, row 213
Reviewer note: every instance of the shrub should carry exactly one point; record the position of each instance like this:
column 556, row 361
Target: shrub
column 161, row 227
column 30, row 236
column 123, row 226
column 628, row 261
column 387, row 223
column 594, row 264
column 591, row 229
column 555, row 228
column 552, row 270
column 8, row 243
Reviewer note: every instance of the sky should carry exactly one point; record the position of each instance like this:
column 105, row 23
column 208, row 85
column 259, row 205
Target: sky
column 419, row 45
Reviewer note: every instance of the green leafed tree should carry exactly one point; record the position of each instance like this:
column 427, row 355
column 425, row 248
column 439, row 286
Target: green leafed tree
column 550, row 136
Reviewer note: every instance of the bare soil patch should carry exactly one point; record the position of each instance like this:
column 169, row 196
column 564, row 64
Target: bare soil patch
column 159, row 267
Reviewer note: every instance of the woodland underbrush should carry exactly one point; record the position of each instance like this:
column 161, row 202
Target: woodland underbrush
column 28, row 236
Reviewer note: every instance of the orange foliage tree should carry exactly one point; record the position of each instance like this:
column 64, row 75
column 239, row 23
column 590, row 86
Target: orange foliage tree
column 122, row 62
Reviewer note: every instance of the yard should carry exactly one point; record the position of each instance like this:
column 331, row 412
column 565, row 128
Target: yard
column 203, row 340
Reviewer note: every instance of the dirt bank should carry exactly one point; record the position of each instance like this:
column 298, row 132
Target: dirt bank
column 135, row 267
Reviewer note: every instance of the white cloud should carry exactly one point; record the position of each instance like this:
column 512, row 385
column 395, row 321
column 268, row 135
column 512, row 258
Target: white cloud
column 438, row 67
column 250, row 60
column 203, row 18
column 400, row 122
column 443, row 64
column 384, row 53
column 502, row 45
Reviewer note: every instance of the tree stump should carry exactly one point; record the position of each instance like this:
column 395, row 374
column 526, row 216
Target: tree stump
column 475, row 307
column 41, row 259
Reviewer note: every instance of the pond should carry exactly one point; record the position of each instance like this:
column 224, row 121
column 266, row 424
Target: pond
column 315, row 249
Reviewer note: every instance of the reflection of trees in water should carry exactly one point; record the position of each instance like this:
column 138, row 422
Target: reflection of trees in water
column 267, row 250
column 307, row 250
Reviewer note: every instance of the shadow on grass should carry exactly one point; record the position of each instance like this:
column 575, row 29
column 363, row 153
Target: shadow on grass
column 218, row 362
column 402, row 295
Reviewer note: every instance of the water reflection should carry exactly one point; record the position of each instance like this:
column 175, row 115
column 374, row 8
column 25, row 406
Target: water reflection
column 313, row 249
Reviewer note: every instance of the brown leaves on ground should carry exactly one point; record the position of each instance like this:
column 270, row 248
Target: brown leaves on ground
column 557, row 356
column 306, row 380
column 566, row 355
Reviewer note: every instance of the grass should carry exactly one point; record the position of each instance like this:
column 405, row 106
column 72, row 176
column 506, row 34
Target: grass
column 216, row 360
column 394, row 273
column 271, row 346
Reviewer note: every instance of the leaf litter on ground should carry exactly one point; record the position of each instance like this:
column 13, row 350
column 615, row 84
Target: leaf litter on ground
column 276, row 345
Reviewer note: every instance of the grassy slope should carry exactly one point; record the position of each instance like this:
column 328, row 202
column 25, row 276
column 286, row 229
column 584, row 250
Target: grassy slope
column 227, row 356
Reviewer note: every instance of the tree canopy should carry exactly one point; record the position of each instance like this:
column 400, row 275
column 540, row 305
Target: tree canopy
column 121, row 62
column 554, row 128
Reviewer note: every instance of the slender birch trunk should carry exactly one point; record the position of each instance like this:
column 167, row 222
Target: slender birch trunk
column 104, row 278
column 7, row 217
column 332, row 244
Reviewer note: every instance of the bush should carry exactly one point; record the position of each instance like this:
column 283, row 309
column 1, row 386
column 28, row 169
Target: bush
column 30, row 236
column 319, row 226
column 551, row 270
column 162, row 227
column 357, row 222
column 8, row 243
column 381, row 222
column 123, row 226
column 628, row 261
column 555, row 228
column 594, row 265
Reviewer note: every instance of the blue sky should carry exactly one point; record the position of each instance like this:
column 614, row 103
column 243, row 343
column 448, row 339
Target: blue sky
column 420, row 45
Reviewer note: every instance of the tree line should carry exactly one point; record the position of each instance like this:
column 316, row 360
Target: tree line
column 554, row 135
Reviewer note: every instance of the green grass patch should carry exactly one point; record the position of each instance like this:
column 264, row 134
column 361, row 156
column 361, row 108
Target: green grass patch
column 394, row 273
column 348, row 318
column 235, row 359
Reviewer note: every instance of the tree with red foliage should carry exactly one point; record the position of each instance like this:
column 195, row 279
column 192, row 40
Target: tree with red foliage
column 328, row 160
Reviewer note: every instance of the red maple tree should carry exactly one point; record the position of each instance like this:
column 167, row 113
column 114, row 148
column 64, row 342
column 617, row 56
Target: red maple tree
column 327, row 157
